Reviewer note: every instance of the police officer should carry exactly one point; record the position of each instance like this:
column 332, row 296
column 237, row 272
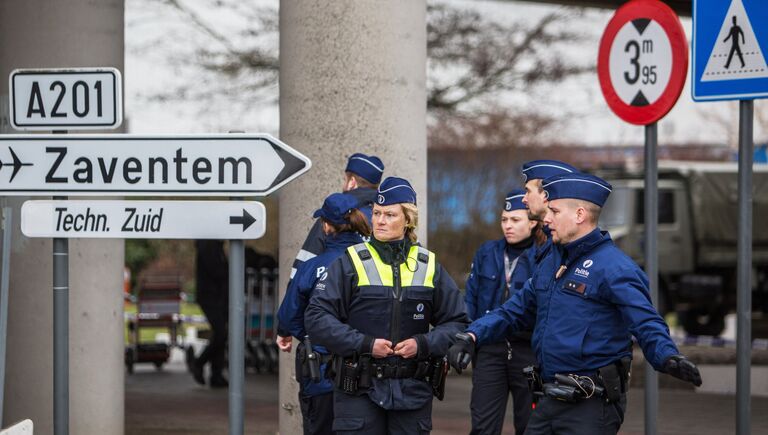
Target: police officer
column 533, row 173
column 361, row 178
column 373, row 311
column 584, row 305
column 343, row 225
column 499, row 269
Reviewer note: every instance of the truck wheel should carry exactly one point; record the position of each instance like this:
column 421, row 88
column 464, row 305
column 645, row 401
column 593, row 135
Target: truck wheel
column 703, row 321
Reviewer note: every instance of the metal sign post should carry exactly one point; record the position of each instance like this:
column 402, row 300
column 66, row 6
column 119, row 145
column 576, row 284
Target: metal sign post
column 642, row 65
column 236, row 335
column 5, row 272
column 60, row 335
column 744, row 271
column 651, row 223
column 60, row 330
column 729, row 63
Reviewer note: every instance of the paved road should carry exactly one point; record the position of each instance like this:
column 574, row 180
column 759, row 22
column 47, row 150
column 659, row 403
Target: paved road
column 169, row 402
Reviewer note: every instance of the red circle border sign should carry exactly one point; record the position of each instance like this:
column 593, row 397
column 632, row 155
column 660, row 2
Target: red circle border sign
column 657, row 11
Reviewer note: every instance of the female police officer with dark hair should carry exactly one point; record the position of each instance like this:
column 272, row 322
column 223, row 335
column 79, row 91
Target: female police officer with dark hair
column 373, row 311
column 343, row 225
column 500, row 268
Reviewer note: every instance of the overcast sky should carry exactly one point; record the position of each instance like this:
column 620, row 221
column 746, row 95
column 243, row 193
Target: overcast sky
column 146, row 72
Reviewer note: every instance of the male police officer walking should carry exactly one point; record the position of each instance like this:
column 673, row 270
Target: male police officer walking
column 361, row 178
column 585, row 305
column 373, row 311
column 499, row 269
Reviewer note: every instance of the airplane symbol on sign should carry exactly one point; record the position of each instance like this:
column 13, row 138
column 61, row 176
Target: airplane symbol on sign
column 16, row 164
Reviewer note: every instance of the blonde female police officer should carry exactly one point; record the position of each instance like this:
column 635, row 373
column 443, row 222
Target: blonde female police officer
column 584, row 306
column 499, row 269
column 373, row 311
column 343, row 225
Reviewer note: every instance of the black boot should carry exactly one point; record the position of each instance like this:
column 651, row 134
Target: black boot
column 197, row 371
column 218, row 381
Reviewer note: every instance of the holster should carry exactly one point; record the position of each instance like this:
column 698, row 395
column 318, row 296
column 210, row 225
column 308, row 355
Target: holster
column 437, row 372
column 310, row 367
column 535, row 385
column 352, row 374
column 615, row 379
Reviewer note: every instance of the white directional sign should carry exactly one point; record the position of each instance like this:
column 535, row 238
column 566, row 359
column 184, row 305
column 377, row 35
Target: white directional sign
column 144, row 219
column 64, row 99
column 129, row 165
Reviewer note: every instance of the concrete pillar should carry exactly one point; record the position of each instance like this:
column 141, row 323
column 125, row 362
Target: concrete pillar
column 352, row 78
column 71, row 33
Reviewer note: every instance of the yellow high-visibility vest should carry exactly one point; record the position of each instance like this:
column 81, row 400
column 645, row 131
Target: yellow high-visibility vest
column 417, row 270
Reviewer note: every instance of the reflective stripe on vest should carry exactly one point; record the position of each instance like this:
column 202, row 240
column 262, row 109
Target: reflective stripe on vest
column 371, row 270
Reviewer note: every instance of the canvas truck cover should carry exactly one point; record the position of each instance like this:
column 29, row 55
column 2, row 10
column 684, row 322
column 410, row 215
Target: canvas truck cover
column 714, row 202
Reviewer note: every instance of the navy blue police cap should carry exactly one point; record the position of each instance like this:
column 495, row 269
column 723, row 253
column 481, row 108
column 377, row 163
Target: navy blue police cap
column 542, row 169
column 335, row 207
column 577, row 186
column 369, row 167
column 395, row 190
column 514, row 200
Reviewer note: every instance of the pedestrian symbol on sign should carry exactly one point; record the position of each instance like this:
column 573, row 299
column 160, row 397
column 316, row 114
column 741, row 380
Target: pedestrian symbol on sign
column 734, row 35
column 736, row 39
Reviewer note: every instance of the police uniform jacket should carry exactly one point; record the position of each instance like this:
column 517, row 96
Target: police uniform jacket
column 291, row 312
column 487, row 283
column 584, row 317
column 363, row 298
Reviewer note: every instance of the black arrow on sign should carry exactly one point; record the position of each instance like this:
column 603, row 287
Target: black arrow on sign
column 246, row 220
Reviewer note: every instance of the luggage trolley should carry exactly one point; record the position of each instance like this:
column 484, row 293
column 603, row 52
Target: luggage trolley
column 158, row 306
column 261, row 324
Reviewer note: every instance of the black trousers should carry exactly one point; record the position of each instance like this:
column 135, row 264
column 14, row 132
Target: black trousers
column 494, row 377
column 317, row 414
column 215, row 351
column 587, row 417
column 360, row 415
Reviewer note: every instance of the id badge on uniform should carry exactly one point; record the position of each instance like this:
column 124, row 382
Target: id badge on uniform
column 575, row 286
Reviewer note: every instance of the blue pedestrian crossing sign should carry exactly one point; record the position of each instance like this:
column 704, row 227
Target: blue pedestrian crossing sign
column 730, row 45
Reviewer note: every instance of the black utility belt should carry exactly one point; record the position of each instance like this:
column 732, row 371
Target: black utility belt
column 573, row 388
column 373, row 368
column 353, row 374
column 399, row 371
column 609, row 383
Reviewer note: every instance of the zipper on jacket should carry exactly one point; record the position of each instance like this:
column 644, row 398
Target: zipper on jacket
column 394, row 330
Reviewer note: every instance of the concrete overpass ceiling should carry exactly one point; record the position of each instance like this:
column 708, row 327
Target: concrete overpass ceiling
column 682, row 7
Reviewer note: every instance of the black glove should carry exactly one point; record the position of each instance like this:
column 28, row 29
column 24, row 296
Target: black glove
column 681, row 368
column 462, row 351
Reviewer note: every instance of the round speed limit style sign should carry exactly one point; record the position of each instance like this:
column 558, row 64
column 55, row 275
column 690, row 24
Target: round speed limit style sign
column 643, row 61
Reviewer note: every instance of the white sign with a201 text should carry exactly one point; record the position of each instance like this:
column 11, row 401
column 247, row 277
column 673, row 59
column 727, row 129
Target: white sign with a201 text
column 66, row 99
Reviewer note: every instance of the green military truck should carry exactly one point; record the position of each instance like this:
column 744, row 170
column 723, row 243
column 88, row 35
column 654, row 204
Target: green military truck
column 697, row 238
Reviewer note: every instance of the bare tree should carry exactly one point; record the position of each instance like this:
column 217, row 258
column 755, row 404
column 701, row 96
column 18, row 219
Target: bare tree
column 487, row 58
column 472, row 59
